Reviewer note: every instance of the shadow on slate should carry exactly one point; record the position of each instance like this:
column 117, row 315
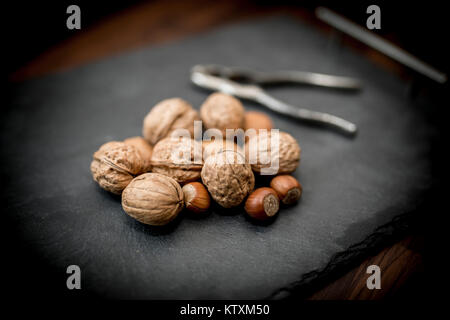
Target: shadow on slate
column 58, row 216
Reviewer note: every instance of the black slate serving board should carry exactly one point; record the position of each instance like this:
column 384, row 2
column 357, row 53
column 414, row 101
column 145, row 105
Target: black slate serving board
column 60, row 217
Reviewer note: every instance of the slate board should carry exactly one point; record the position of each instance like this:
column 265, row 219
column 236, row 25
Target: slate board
column 52, row 126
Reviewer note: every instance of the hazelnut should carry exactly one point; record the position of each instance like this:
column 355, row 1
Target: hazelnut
column 196, row 197
column 179, row 158
column 228, row 178
column 259, row 153
column 257, row 120
column 289, row 190
column 153, row 199
column 144, row 148
column 115, row 164
column 166, row 117
column 222, row 111
column 262, row 204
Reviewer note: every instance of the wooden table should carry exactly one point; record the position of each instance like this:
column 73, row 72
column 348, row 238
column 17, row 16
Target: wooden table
column 147, row 24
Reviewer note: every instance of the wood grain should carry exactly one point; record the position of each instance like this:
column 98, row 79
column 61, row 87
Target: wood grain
column 398, row 263
column 164, row 21
column 147, row 23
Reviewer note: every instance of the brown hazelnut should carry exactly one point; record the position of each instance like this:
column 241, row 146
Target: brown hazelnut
column 289, row 190
column 228, row 178
column 144, row 148
column 262, row 204
column 166, row 117
column 196, row 197
column 222, row 111
column 153, row 199
column 115, row 164
column 257, row 120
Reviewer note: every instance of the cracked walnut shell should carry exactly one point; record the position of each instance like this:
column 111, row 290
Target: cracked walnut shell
column 264, row 158
column 222, row 111
column 166, row 117
column 115, row 164
column 153, row 199
column 228, row 178
column 179, row 158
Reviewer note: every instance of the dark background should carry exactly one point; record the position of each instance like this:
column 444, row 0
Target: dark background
column 33, row 27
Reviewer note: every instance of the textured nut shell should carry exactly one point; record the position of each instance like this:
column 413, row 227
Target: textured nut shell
column 167, row 116
column 121, row 157
column 212, row 147
column 108, row 178
column 186, row 121
column 288, row 156
column 228, row 183
column 144, row 148
column 176, row 158
column 222, row 111
column 153, row 199
column 115, row 164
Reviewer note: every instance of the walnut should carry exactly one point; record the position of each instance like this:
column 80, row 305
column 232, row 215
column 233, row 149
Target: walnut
column 259, row 153
column 228, row 178
column 179, row 158
column 166, row 117
column 144, row 148
column 153, row 199
column 221, row 111
column 115, row 164
column 212, row 147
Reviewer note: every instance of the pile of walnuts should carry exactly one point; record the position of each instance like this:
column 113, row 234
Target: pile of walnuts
column 159, row 173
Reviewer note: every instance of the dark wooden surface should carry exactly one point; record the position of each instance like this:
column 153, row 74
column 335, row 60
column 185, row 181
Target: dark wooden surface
column 147, row 24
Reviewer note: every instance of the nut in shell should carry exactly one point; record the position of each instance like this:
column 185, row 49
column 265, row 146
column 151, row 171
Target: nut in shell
column 222, row 111
column 115, row 164
column 153, row 199
column 262, row 204
column 167, row 117
column 196, row 197
column 210, row 148
column 228, row 178
column 289, row 190
column 273, row 153
column 179, row 158
column 257, row 120
column 144, row 148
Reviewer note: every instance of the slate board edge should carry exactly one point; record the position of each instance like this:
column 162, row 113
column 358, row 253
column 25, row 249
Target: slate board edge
column 343, row 261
